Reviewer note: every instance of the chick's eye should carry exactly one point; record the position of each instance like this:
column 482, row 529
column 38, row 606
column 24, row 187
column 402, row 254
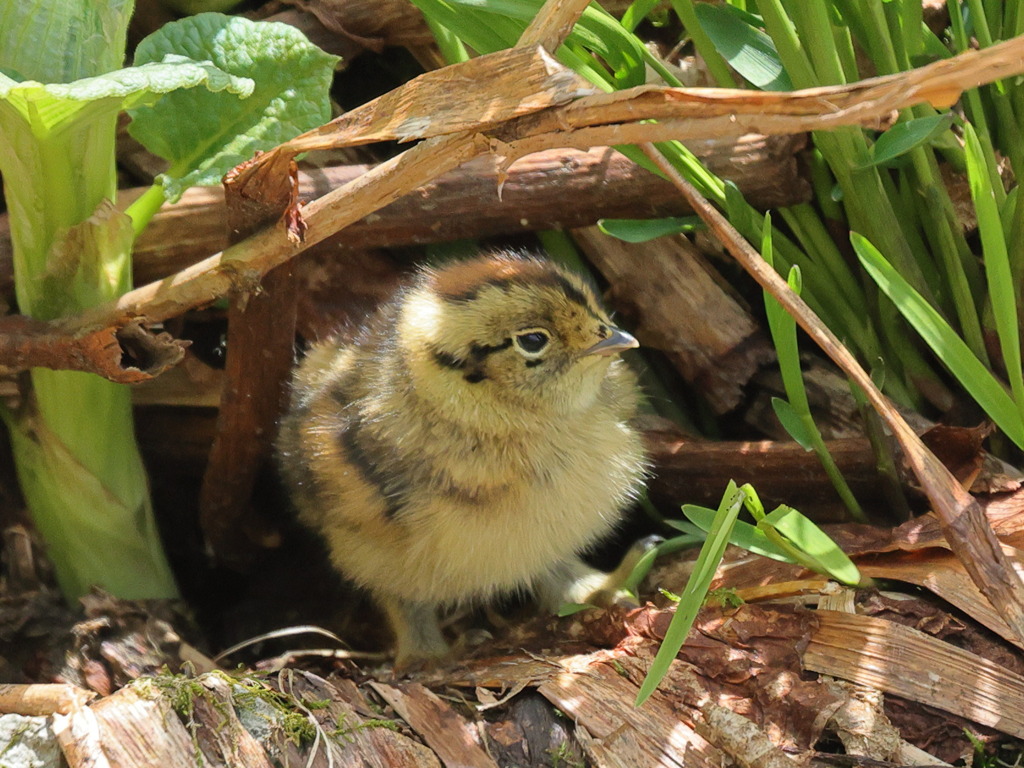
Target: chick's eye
column 532, row 342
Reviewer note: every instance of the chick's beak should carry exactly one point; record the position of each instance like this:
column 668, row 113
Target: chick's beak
column 618, row 341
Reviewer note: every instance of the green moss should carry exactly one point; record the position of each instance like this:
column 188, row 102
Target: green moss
column 344, row 732
column 563, row 756
column 249, row 696
column 298, row 728
column 725, row 597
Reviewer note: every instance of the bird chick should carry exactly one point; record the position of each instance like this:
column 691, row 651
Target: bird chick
column 474, row 439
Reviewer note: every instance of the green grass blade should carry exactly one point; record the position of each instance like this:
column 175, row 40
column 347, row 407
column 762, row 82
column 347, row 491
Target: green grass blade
column 793, row 423
column 687, row 13
column 1002, row 291
column 637, row 12
column 695, row 591
column 979, row 382
column 646, row 561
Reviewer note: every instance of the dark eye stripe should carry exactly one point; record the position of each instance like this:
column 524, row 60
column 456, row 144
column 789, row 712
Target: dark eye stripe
column 446, row 360
column 480, row 352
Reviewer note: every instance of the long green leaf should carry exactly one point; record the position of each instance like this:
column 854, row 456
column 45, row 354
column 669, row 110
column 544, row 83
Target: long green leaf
column 813, row 541
column 989, row 393
column 907, row 135
column 747, row 49
column 744, row 535
column 642, row 230
column 1002, row 292
column 695, row 591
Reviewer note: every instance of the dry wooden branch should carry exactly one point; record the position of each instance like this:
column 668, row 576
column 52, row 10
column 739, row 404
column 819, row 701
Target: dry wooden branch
column 128, row 354
column 552, row 24
column 622, row 117
column 261, row 340
column 963, row 521
column 556, row 189
column 242, row 265
column 43, row 699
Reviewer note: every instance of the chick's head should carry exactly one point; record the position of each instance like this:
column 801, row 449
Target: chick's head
column 510, row 331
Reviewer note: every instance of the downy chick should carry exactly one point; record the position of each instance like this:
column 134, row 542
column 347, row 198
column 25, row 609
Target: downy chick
column 473, row 440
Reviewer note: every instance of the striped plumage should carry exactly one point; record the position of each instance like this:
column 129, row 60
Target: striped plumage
column 473, row 439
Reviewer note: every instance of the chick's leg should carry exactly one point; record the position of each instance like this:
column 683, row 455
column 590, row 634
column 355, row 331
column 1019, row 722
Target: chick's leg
column 573, row 581
column 418, row 639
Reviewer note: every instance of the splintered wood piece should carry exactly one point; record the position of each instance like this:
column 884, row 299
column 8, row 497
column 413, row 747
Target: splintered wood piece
column 440, row 726
column 942, row 573
column 614, row 732
column 126, row 730
column 527, row 730
column 361, row 740
column 42, row 698
column 678, row 306
column 220, row 734
column 907, row 662
column 492, row 89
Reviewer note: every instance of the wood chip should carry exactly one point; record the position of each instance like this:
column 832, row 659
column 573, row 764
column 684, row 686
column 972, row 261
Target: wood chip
column 42, row 699
column 440, row 726
column 906, row 662
column 615, row 732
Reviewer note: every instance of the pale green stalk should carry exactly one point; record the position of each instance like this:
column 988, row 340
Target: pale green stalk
column 74, row 445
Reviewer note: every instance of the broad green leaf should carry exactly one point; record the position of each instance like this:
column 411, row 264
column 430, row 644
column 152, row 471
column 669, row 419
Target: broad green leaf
column 696, row 589
column 642, row 230
column 904, row 136
column 747, row 49
column 792, row 422
column 809, row 538
column 59, row 41
column 205, row 134
column 46, row 106
column 989, row 393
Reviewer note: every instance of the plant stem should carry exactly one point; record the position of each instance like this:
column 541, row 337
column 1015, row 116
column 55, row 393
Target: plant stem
column 74, row 445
